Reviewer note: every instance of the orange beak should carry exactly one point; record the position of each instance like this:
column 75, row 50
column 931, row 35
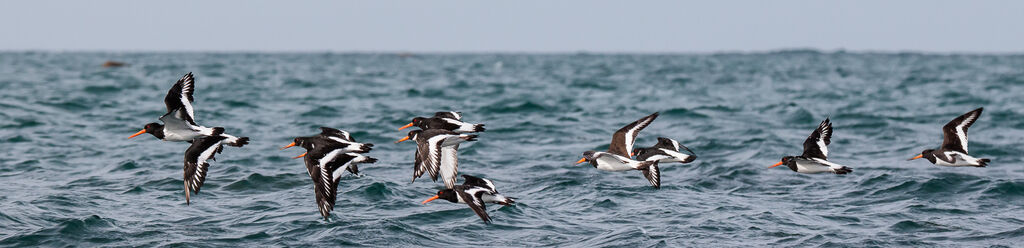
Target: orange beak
column 406, row 126
column 581, row 160
column 776, row 164
column 303, row 154
column 917, row 157
column 403, row 139
column 289, row 145
column 632, row 154
column 137, row 134
column 431, row 199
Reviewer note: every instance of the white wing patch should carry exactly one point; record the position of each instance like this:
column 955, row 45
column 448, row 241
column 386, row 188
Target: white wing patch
column 960, row 133
column 449, row 167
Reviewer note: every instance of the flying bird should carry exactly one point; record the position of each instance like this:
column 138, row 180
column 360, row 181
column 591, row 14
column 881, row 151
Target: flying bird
column 475, row 192
column 617, row 158
column 953, row 151
column 450, row 120
column 180, row 122
column 665, row 151
column 814, row 160
column 437, row 153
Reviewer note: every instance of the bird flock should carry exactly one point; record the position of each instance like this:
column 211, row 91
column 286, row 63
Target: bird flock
column 333, row 151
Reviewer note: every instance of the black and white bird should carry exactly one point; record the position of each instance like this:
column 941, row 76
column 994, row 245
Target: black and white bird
column 814, row 160
column 437, row 153
column 475, row 192
column 202, row 149
column 450, row 120
column 330, row 137
column 180, row 122
column 618, row 158
column 953, row 151
column 325, row 163
column 665, row 151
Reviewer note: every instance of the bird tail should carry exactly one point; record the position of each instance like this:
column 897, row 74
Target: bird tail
column 842, row 170
column 478, row 128
column 468, row 137
column 653, row 174
column 505, row 200
column 983, row 162
column 239, row 142
column 217, row 131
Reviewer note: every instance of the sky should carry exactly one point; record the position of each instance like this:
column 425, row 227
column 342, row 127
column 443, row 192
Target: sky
column 513, row 26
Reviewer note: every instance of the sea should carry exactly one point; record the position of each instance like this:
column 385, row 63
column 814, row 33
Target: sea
column 70, row 177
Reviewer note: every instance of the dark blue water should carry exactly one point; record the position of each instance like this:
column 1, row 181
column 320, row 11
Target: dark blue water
column 71, row 178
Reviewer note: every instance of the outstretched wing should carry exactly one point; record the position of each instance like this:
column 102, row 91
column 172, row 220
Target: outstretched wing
column 448, row 167
column 449, row 114
column 954, row 133
column 623, row 139
column 201, row 150
column 474, row 198
column 816, row 145
column 180, row 96
column 480, row 182
column 327, row 132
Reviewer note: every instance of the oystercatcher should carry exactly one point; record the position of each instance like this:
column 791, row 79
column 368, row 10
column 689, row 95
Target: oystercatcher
column 334, row 138
column 665, row 151
column 451, row 121
column 201, row 150
column 953, row 151
column 325, row 164
column 617, row 158
column 437, row 153
column 179, row 121
column 815, row 154
column 474, row 191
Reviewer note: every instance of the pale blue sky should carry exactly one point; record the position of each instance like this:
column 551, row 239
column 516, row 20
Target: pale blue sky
column 513, row 26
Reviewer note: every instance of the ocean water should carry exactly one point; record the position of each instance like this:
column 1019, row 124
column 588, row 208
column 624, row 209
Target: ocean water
column 70, row 176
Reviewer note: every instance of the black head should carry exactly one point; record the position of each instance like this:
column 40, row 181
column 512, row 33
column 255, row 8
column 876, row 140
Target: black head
column 927, row 154
column 418, row 121
column 639, row 152
column 411, row 136
column 448, row 194
column 304, row 142
column 786, row 159
column 153, row 128
column 588, row 156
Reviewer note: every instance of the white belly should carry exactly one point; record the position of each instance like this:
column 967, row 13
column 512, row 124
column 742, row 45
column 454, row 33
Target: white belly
column 811, row 167
column 607, row 163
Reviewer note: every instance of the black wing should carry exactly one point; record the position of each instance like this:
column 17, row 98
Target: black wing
column 623, row 139
column 180, row 96
column 816, row 145
column 331, row 132
column 479, row 182
column 449, row 114
column 201, row 150
column 954, row 133
column 474, row 198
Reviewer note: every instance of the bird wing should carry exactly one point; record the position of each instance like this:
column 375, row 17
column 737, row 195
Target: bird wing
column 480, row 182
column 449, row 114
column 954, row 133
column 623, row 139
column 331, row 132
column 449, row 165
column 474, row 198
column 201, row 150
column 816, row 145
column 180, row 96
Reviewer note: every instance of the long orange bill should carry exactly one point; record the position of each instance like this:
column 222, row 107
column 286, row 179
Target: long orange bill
column 303, row 154
column 406, row 126
column 776, row 164
column 137, row 134
column 581, row 160
column 431, row 199
column 632, row 154
column 918, row 156
column 403, row 139
column 289, row 145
